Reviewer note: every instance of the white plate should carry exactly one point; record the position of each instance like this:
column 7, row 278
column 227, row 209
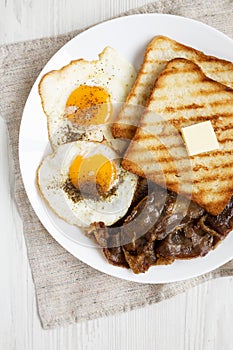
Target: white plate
column 129, row 35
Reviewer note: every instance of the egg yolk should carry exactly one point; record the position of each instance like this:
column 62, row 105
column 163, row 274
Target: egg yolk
column 88, row 105
column 96, row 170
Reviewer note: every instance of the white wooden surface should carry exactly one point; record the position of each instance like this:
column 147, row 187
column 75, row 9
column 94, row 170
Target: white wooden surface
column 200, row 319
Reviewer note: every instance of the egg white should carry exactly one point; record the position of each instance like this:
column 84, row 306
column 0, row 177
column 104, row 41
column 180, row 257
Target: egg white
column 111, row 72
column 54, row 171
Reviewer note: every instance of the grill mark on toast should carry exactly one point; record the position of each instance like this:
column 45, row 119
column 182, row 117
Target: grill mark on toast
column 222, row 165
column 148, row 137
column 144, row 137
column 195, row 93
column 160, row 137
column 213, row 154
column 183, row 107
column 162, row 160
column 159, row 147
column 204, row 92
column 215, row 190
column 195, row 169
column 224, row 141
column 171, row 184
column 226, row 127
column 192, row 119
column 222, row 102
column 194, row 106
column 212, row 178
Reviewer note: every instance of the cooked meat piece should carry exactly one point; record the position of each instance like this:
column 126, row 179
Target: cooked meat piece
column 144, row 216
column 113, row 238
column 178, row 212
column 140, row 253
column 164, row 261
column 89, row 232
column 100, row 232
column 143, row 187
column 203, row 226
column 141, row 259
column 223, row 222
column 156, row 231
column 110, row 244
column 115, row 256
column 167, row 220
column 138, row 250
column 187, row 243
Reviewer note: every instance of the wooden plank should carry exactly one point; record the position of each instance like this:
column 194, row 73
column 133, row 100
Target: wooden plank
column 29, row 19
column 200, row 319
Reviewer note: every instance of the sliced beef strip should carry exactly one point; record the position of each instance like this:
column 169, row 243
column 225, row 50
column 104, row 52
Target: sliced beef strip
column 205, row 228
column 140, row 260
column 177, row 213
column 140, row 253
column 171, row 237
column 110, row 238
column 143, row 187
column 115, row 256
column 198, row 237
column 139, row 250
column 110, row 244
column 222, row 223
column 144, row 217
column 176, row 216
column 186, row 243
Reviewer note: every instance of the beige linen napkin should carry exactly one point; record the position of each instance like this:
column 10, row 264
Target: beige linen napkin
column 68, row 290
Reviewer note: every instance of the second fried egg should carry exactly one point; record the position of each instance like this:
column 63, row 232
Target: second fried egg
column 80, row 98
column 83, row 182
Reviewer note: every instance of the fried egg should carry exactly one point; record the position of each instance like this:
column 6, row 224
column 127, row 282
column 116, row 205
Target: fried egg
column 83, row 183
column 81, row 99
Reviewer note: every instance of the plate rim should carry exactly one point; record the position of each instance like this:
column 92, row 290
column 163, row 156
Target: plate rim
column 63, row 242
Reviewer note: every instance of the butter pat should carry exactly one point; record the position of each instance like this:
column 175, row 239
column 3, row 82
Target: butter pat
column 200, row 138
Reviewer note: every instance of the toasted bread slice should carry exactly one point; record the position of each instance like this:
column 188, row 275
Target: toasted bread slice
column 183, row 96
column 159, row 51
